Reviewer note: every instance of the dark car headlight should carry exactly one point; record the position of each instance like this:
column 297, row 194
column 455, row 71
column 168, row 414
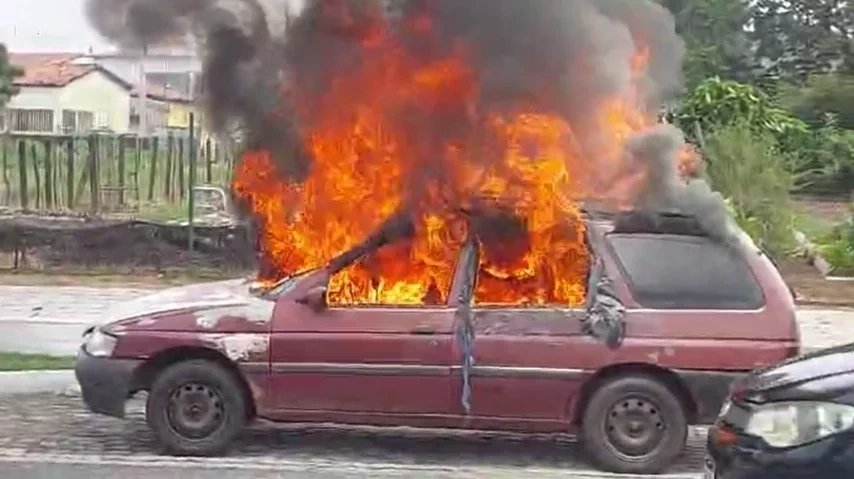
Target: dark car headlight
column 100, row 344
column 792, row 424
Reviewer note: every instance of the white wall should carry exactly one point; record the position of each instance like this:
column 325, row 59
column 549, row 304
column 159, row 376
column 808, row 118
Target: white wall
column 128, row 67
column 106, row 99
column 36, row 98
column 95, row 93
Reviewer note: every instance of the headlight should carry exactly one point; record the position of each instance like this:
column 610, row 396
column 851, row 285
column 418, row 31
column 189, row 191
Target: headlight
column 796, row 423
column 99, row 343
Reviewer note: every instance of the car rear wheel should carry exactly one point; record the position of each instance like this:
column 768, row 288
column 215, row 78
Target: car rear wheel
column 634, row 424
column 196, row 408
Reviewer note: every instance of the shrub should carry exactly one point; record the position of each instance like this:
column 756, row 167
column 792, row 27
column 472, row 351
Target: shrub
column 824, row 160
column 838, row 247
column 717, row 103
column 749, row 170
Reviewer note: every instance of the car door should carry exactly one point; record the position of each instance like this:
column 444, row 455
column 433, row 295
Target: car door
column 368, row 363
column 524, row 363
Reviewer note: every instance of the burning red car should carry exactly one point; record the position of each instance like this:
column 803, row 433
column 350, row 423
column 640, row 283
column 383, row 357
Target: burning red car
column 677, row 315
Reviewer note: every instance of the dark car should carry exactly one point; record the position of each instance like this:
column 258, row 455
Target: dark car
column 692, row 314
column 794, row 420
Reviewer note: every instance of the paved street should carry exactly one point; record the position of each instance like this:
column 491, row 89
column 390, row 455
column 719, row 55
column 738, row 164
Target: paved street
column 49, row 435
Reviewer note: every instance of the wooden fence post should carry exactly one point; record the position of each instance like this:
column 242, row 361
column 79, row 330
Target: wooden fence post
column 7, row 188
column 155, row 147
column 181, row 191
column 121, row 162
column 35, row 163
column 48, row 174
column 94, row 172
column 22, row 175
column 140, row 145
column 167, row 186
column 208, row 161
column 69, row 170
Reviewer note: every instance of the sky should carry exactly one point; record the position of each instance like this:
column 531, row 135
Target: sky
column 48, row 26
column 52, row 26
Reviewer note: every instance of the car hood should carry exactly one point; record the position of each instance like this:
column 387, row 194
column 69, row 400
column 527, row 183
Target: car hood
column 796, row 372
column 199, row 306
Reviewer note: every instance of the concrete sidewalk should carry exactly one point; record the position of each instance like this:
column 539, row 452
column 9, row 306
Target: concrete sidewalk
column 50, row 320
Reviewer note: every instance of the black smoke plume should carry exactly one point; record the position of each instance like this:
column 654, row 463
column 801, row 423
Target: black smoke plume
column 560, row 57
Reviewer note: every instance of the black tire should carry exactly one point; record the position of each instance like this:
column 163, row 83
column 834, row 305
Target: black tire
column 196, row 388
column 634, row 424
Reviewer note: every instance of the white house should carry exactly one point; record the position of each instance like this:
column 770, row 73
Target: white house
column 61, row 95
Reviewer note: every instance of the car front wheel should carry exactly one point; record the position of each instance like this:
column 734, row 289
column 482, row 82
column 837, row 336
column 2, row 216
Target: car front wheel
column 634, row 424
column 196, row 408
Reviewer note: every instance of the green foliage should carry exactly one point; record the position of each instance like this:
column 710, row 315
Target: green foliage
column 748, row 169
column 718, row 103
column 822, row 95
column 824, row 159
column 838, row 247
column 795, row 39
column 8, row 73
column 715, row 39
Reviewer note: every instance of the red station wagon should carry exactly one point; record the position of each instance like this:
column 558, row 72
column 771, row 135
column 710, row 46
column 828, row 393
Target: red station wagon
column 672, row 318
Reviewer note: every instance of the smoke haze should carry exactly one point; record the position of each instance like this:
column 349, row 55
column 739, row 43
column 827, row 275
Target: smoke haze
column 556, row 57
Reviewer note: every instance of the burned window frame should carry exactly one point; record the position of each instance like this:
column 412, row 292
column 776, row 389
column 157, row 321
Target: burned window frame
column 749, row 304
column 448, row 304
column 593, row 256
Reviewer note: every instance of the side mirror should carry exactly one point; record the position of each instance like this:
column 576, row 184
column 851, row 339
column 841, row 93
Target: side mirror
column 315, row 298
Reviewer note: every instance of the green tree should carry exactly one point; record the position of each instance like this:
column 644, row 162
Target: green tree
column 715, row 37
column 821, row 95
column 716, row 103
column 796, row 39
column 8, row 73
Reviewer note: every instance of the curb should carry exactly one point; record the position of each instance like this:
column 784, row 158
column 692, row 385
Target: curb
column 810, row 250
column 32, row 382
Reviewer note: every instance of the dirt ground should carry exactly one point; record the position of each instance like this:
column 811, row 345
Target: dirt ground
column 833, row 210
column 811, row 287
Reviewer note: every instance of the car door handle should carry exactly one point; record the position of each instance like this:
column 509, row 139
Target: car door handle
column 424, row 329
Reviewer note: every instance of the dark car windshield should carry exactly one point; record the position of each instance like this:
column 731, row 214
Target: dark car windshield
column 685, row 272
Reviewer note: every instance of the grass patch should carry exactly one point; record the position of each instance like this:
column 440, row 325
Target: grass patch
column 34, row 362
column 813, row 226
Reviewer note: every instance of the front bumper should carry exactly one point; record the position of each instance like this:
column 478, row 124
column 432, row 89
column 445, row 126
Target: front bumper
column 830, row 458
column 105, row 383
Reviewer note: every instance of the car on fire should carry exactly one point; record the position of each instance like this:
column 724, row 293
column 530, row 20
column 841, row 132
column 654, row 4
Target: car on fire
column 792, row 420
column 672, row 317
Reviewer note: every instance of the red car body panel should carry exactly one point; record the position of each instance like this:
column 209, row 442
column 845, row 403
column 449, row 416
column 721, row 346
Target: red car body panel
column 402, row 366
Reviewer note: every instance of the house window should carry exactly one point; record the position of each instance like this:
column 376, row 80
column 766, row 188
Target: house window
column 77, row 121
column 85, row 121
column 31, row 121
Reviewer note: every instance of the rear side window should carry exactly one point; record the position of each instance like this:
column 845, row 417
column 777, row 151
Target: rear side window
column 685, row 272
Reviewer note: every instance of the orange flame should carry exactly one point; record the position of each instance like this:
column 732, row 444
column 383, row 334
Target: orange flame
column 365, row 161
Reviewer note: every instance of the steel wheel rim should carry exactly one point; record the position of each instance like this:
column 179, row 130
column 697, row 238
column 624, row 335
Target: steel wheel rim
column 634, row 428
column 195, row 411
